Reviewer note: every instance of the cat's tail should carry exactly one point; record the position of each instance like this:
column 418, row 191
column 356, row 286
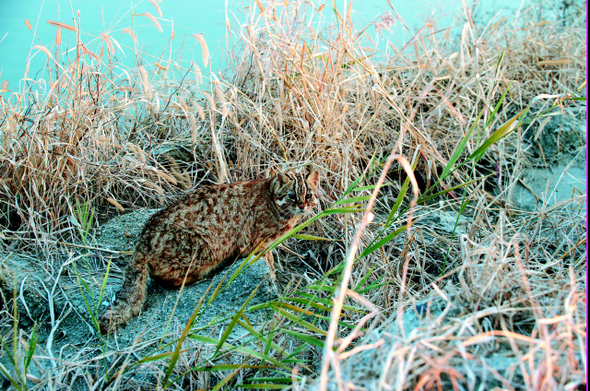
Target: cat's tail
column 130, row 297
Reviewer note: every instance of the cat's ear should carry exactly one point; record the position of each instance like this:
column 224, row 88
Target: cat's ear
column 283, row 178
column 313, row 178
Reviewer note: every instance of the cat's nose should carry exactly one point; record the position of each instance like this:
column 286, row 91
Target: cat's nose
column 301, row 206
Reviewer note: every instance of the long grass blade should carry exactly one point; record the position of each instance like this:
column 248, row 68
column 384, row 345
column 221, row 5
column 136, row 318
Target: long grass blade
column 497, row 135
column 305, row 338
column 234, row 320
column 383, row 241
column 450, row 189
column 460, row 147
column 299, row 321
column 226, row 379
column 400, row 197
column 176, row 354
column 312, row 237
column 240, row 349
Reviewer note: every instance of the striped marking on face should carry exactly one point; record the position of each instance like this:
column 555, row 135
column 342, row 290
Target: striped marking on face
column 294, row 195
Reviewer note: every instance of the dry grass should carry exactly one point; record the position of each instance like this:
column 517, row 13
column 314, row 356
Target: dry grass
column 96, row 136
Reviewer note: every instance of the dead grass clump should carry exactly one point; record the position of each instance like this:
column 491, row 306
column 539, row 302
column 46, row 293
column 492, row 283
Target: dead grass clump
column 92, row 131
column 505, row 324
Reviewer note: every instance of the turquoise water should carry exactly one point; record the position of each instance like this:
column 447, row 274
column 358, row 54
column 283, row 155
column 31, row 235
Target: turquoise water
column 185, row 18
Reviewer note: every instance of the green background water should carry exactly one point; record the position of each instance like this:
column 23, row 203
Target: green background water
column 186, row 18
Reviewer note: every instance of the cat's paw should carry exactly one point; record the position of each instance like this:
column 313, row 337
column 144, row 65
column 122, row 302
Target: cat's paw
column 106, row 324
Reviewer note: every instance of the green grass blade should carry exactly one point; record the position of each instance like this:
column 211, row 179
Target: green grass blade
column 240, row 349
column 12, row 360
column 32, row 346
column 226, row 367
column 328, row 303
column 299, row 321
column 353, row 184
column 370, row 187
column 398, row 201
column 102, row 289
column 268, row 344
column 312, row 237
column 426, row 199
column 308, row 302
column 276, row 243
column 461, row 210
column 292, row 308
column 498, row 63
column 226, row 379
column 154, row 358
column 460, row 147
column 319, row 301
column 352, row 200
column 497, row 135
column 264, row 386
column 336, row 12
column 259, row 336
column 185, row 333
column 8, row 353
column 250, row 352
column 275, row 379
column 373, row 285
column 216, row 291
column 319, row 287
column 400, row 197
column 363, row 280
column 305, row 338
column 12, row 380
column 498, row 104
column 346, row 209
column 382, row 242
column 234, row 320
column 81, row 282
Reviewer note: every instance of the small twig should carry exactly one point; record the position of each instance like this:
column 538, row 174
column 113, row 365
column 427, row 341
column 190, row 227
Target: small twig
column 171, row 95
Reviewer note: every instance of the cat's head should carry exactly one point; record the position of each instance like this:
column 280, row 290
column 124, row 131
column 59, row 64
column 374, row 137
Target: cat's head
column 295, row 193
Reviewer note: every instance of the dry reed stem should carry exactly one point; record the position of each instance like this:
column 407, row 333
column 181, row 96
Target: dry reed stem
column 330, row 357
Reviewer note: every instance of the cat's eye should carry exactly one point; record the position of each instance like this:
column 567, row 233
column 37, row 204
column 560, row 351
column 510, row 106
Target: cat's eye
column 292, row 196
column 308, row 197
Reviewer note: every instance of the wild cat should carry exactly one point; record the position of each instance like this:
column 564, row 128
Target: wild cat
column 208, row 229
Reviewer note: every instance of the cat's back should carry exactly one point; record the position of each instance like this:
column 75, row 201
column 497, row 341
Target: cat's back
column 213, row 209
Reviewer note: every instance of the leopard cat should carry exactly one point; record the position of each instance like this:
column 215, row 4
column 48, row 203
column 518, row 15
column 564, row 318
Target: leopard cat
column 207, row 230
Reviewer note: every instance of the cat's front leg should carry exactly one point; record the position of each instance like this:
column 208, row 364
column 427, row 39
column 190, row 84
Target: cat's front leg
column 271, row 264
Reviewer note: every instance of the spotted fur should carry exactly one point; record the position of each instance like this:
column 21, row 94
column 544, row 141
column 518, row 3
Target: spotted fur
column 208, row 229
